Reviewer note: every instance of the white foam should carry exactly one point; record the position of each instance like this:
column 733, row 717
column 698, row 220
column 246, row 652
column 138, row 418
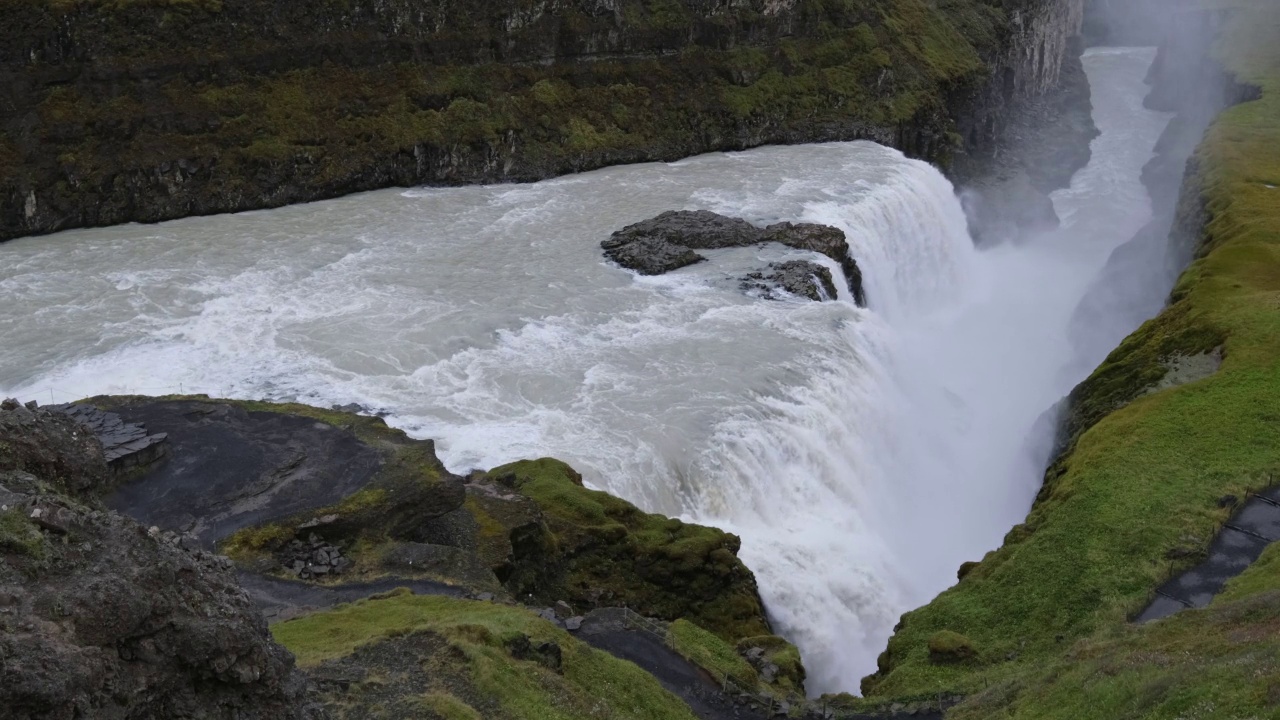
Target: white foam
column 861, row 454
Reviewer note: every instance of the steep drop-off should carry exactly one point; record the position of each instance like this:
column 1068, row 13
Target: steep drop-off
column 119, row 111
column 1156, row 455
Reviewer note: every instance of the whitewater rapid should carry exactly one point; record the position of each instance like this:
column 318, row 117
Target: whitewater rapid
column 861, row 454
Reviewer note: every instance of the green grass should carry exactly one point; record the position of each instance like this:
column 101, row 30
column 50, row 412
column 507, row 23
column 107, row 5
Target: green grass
column 1142, row 481
column 711, row 653
column 591, row 684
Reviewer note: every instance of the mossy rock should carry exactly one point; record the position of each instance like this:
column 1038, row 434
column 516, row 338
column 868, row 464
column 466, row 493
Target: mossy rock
column 592, row 549
column 18, row 534
column 780, row 652
column 948, row 646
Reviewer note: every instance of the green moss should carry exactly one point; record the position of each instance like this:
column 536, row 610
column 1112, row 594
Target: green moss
column 947, row 646
column 251, row 541
column 1223, row 662
column 600, row 550
column 847, row 64
column 1049, row 610
column 449, row 707
column 19, row 535
column 590, row 684
column 708, row 651
column 780, row 652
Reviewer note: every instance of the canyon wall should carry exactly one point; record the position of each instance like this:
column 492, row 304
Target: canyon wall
column 154, row 109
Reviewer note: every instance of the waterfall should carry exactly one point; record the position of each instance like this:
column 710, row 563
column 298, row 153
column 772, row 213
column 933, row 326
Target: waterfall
column 861, row 453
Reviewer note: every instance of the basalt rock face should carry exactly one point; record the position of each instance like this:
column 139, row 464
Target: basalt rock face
column 114, row 112
column 101, row 618
column 1028, row 130
column 666, row 242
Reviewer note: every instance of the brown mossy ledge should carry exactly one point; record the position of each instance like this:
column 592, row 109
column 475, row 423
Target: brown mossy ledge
column 528, row 529
column 146, row 111
column 597, row 550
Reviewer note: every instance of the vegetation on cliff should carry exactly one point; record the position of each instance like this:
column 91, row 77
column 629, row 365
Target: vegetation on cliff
column 1143, row 483
column 249, row 104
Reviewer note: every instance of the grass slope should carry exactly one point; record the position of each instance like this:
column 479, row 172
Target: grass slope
column 1047, row 612
column 473, row 673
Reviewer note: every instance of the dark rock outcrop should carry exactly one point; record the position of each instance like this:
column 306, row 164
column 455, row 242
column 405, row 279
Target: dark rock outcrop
column 663, row 243
column 649, row 255
column 101, row 618
column 125, row 445
column 796, row 277
column 1044, row 140
column 51, row 446
column 294, row 493
column 822, row 239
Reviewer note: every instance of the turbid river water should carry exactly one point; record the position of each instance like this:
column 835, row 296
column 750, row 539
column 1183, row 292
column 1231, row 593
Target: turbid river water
column 862, row 454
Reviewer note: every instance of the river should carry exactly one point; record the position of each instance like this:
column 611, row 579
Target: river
column 861, row 454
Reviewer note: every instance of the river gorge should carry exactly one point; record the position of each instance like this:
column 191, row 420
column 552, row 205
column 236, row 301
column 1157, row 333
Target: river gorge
column 862, row 454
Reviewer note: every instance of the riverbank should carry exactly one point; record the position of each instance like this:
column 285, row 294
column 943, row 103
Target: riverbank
column 1146, row 477
column 119, row 112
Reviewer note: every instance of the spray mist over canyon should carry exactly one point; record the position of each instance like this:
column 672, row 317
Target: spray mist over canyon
column 862, row 455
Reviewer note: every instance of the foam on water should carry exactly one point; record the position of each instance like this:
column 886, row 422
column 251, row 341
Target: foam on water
column 861, row 454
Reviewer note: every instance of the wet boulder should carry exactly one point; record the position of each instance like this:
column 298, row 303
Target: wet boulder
column 667, row 242
column 800, row 278
column 824, row 239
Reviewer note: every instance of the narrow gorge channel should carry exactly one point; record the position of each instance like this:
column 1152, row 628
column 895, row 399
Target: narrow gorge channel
column 861, row 454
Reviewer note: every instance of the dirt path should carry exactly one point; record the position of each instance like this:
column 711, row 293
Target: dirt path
column 1255, row 526
column 282, row 599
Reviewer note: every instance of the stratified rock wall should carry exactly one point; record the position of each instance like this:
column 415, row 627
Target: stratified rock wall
column 146, row 111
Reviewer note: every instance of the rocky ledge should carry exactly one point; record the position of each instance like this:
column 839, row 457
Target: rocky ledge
column 668, row 242
column 148, row 589
column 102, row 617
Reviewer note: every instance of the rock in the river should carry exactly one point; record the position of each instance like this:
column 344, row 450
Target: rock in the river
column 666, row 243
column 650, row 255
column 823, row 239
column 798, row 277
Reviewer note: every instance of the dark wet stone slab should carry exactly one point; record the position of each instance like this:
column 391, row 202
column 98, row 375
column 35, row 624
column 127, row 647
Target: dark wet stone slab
column 125, row 445
column 1161, row 607
column 281, row 599
column 229, row 468
column 1259, row 518
column 1231, row 552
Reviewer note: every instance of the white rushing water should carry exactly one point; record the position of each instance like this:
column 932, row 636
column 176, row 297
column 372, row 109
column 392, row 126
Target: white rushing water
column 861, row 454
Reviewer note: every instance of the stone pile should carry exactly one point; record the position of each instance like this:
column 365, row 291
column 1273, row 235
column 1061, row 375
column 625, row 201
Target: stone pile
column 314, row 558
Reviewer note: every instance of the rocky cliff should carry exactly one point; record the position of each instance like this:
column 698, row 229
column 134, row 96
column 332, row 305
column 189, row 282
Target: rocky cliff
column 102, row 618
column 154, row 109
column 516, row 593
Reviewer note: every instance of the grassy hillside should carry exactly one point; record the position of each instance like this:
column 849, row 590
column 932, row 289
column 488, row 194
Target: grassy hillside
column 1139, row 493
